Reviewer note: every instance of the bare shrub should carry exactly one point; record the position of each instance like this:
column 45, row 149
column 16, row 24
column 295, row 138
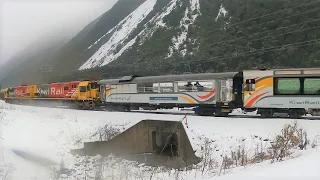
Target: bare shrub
column 107, row 132
column 99, row 169
column 226, row 164
column 290, row 138
column 316, row 142
column 208, row 160
column 303, row 140
column 237, row 157
column 240, row 156
column 260, row 154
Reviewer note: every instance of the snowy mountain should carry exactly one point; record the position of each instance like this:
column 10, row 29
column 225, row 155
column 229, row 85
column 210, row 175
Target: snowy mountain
column 154, row 37
column 178, row 36
column 121, row 40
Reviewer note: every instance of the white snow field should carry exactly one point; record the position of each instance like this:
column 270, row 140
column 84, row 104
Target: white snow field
column 51, row 133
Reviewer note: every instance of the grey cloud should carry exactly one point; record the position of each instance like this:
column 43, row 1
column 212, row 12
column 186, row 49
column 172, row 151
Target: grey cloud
column 24, row 22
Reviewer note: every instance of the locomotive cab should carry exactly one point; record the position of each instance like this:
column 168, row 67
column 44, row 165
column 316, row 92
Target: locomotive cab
column 88, row 90
column 88, row 94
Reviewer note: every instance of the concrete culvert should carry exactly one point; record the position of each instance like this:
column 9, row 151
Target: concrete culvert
column 154, row 142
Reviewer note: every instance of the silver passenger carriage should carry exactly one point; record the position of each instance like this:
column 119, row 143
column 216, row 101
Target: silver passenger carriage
column 294, row 91
column 206, row 93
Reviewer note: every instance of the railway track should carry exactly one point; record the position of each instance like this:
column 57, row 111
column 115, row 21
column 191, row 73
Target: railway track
column 186, row 112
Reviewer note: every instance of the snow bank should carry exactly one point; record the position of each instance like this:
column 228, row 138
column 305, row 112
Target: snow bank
column 303, row 167
column 52, row 132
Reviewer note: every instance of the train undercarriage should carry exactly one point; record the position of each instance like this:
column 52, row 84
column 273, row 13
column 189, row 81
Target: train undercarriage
column 294, row 113
column 217, row 111
column 208, row 110
column 73, row 104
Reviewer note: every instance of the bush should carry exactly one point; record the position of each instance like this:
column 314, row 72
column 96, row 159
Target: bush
column 108, row 132
column 291, row 137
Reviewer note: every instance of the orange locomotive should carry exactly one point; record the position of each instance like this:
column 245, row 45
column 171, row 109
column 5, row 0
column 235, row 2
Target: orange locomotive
column 63, row 93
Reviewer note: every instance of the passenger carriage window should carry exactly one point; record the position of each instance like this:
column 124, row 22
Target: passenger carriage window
column 205, row 86
column 166, row 87
column 250, row 85
column 147, row 87
column 286, row 86
column 312, row 86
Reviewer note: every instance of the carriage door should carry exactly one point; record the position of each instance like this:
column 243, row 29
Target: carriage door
column 102, row 92
column 237, row 90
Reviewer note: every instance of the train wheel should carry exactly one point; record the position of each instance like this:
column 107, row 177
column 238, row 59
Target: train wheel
column 221, row 114
column 266, row 113
column 296, row 113
column 204, row 112
column 93, row 105
column 123, row 108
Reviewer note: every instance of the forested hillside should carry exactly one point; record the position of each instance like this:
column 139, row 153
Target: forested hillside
column 153, row 37
column 229, row 35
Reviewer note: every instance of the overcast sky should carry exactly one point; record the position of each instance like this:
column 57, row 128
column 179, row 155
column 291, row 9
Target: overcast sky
column 24, row 21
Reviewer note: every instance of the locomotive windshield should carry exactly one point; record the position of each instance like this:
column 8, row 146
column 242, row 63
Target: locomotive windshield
column 83, row 88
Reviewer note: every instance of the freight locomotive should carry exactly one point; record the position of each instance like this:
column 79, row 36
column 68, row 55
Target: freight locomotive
column 77, row 94
column 295, row 92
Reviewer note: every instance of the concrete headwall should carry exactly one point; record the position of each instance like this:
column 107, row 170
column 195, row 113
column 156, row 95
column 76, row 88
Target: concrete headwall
column 167, row 138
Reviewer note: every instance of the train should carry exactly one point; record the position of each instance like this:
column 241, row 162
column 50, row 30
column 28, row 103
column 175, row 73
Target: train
column 294, row 91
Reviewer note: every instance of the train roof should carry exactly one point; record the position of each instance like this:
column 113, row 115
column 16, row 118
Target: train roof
column 168, row 78
column 290, row 72
column 285, row 69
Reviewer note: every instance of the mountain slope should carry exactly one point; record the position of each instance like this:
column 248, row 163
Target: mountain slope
column 121, row 39
column 213, row 36
column 75, row 53
column 67, row 57
column 153, row 37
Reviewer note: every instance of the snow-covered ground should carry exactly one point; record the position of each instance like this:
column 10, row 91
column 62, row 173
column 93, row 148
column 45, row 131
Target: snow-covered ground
column 52, row 132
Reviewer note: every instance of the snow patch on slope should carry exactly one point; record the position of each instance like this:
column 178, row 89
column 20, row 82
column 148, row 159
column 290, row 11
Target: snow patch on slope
column 223, row 11
column 107, row 52
column 189, row 18
column 157, row 21
column 95, row 43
